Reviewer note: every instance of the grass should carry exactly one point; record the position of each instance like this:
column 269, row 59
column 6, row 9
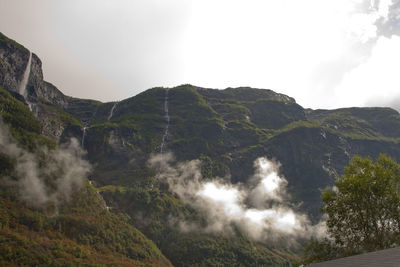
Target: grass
column 24, row 127
column 4, row 39
column 58, row 115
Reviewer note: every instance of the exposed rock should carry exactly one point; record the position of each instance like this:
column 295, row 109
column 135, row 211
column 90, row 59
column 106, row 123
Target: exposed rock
column 13, row 60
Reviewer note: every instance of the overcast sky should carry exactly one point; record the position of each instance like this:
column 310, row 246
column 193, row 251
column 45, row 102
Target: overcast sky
column 324, row 53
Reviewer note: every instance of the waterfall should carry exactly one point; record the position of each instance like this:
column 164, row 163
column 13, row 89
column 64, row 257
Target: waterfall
column 112, row 111
column 165, row 136
column 104, row 203
column 100, row 197
column 83, row 137
column 24, row 82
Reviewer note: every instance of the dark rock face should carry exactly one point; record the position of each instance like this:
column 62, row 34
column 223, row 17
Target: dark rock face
column 275, row 114
column 13, row 61
column 35, row 81
column 83, row 109
column 49, row 92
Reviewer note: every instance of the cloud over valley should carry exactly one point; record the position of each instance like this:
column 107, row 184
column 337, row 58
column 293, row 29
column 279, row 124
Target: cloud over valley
column 259, row 207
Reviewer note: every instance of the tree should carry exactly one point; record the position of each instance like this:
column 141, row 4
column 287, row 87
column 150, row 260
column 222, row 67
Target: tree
column 363, row 210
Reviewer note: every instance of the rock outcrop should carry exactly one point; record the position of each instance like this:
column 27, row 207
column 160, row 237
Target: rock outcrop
column 13, row 60
column 48, row 103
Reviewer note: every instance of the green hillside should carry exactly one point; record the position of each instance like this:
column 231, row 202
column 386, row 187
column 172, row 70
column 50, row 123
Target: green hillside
column 81, row 231
column 127, row 215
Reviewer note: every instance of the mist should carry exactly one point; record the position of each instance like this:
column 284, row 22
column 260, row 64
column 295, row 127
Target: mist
column 46, row 177
column 260, row 207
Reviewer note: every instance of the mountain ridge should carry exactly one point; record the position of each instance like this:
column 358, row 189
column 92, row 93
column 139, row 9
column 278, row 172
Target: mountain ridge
column 227, row 130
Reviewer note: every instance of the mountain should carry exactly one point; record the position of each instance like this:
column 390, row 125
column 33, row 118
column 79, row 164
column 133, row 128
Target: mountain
column 80, row 231
column 226, row 131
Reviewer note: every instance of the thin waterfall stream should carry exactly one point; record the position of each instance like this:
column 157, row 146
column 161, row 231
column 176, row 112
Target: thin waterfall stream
column 24, row 82
column 83, row 137
column 86, row 126
column 165, row 136
column 166, row 131
column 112, row 111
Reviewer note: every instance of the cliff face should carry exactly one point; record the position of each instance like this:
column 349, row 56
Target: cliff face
column 48, row 103
column 13, row 60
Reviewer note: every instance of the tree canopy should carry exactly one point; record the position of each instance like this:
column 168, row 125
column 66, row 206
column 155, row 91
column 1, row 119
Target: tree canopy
column 362, row 209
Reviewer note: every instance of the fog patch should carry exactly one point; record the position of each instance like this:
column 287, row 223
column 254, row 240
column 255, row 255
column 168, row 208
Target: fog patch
column 46, row 177
column 260, row 207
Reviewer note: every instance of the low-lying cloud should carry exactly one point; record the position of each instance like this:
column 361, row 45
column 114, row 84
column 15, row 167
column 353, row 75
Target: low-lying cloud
column 47, row 177
column 259, row 208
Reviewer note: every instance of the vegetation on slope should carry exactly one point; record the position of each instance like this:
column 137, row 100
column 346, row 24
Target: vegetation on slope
column 79, row 232
column 23, row 125
column 5, row 40
column 372, row 123
column 55, row 114
column 222, row 133
column 362, row 211
column 159, row 215
column 82, row 109
column 83, row 233
column 225, row 129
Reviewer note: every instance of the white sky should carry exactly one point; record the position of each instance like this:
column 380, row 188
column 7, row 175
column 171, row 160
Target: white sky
column 324, row 53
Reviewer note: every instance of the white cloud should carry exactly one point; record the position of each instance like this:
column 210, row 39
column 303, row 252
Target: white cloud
column 258, row 208
column 301, row 48
column 376, row 81
column 383, row 9
column 362, row 27
column 45, row 177
column 261, row 43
